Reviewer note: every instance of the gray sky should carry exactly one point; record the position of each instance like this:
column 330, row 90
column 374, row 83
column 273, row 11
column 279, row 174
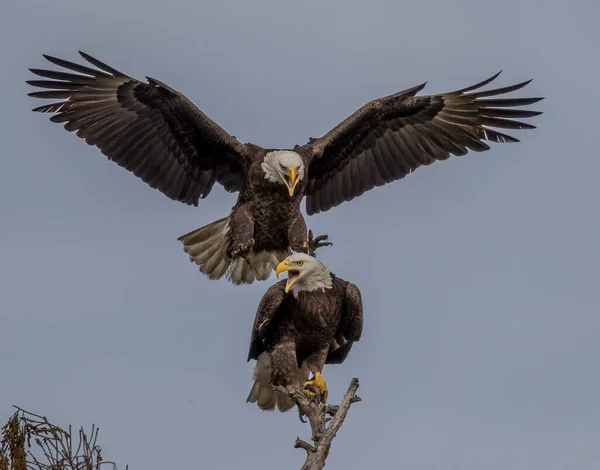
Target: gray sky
column 480, row 345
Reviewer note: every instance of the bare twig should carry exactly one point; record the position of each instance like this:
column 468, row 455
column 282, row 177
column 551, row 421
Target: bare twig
column 325, row 421
column 54, row 447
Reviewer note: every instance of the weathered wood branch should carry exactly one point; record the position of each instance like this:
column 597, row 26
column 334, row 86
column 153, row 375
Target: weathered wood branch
column 325, row 421
column 58, row 449
column 30, row 441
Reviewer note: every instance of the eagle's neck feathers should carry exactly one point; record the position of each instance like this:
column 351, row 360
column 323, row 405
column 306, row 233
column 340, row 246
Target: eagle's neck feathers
column 314, row 281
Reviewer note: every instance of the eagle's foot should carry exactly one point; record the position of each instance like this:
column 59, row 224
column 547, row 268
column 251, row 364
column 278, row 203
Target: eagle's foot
column 241, row 249
column 319, row 382
column 315, row 243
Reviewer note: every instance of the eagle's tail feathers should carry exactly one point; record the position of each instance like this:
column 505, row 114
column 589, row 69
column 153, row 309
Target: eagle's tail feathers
column 255, row 266
column 263, row 393
column 207, row 247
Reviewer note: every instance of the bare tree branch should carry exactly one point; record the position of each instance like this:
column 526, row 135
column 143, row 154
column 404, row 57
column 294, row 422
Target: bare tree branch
column 325, row 421
column 53, row 447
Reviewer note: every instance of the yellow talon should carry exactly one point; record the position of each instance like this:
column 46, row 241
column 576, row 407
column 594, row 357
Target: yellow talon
column 305, row 245
column 319, row 382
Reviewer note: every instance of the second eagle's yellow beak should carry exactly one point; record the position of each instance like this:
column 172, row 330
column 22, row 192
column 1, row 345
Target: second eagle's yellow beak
column 293, row 274
column 281, row 267
column 290, row 180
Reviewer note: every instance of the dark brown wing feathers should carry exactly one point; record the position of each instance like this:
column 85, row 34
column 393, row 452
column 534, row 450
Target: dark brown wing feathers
column 391, row 137
column 148, row 128
column 350, row 327
column 265, row 312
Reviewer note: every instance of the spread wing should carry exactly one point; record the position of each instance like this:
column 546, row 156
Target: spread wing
column 350, row 328
column 390, row 137
column 267, row 309
column 147, row 128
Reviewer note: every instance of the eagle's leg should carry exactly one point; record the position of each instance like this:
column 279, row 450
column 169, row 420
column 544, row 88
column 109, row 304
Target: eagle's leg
column 241, row 232
column 315, row 363
column 302, row 242
column 319, row 382
column 240, row 249
column 312, row 244
column 297, row 234
column 284, row 367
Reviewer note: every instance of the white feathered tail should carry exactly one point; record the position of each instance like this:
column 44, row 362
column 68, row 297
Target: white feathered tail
column 207, row 247
column 263, row 394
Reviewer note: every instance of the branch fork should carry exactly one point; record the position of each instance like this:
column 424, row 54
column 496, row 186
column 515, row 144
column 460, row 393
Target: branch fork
column 325, row 421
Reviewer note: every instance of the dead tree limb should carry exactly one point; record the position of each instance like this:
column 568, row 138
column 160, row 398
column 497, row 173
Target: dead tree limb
column 53, row 448
column 30, row 442
column 325, row 421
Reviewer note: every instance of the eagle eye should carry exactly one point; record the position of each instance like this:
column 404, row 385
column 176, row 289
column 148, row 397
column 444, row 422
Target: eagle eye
column 299, row 263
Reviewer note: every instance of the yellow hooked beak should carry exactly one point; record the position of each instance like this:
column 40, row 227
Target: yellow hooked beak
column 291, row 180
column 293, row 274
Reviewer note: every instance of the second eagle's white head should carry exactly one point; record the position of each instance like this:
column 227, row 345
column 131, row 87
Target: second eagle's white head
column 284, row 167
column 305, row 273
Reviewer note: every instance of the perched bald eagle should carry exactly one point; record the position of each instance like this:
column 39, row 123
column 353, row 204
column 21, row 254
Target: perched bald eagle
column 158, row 134
column 311, row 319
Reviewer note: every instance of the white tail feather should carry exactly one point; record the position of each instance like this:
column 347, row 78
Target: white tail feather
column 207, row 247
column 255, row 266
column 262, row 392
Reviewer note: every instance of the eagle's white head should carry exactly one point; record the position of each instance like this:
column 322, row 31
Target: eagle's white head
column 305, row 273
column 284, row 167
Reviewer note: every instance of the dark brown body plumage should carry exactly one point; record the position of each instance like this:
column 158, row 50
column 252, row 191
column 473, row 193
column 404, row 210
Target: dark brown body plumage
column 316, row 328
column 277, row 220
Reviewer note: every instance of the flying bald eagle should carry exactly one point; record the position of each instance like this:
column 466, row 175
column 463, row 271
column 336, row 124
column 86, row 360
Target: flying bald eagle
column 158, row 134
column 311, row 319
